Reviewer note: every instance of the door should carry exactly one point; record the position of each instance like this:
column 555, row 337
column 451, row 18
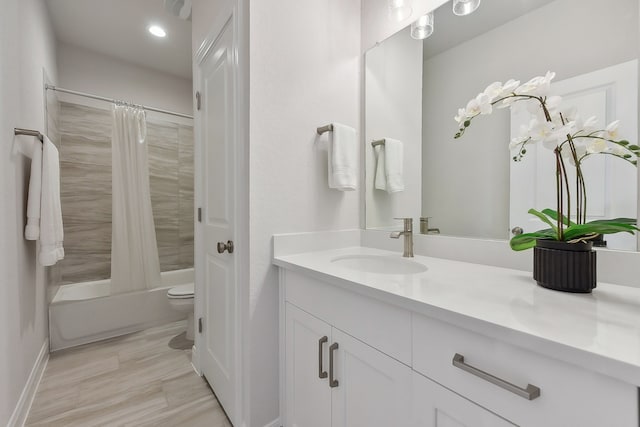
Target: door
column 215, row 123
column 373, row 389
column 608, row 94
column 308, row 395
column 436, row 406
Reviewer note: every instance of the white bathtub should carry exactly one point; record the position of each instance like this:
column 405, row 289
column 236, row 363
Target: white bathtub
column 81, row 313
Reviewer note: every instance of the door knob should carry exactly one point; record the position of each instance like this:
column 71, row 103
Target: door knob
column 516, row 231
column 225, row 247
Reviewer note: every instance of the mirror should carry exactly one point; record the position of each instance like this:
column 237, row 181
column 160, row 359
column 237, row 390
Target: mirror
column 470, row 187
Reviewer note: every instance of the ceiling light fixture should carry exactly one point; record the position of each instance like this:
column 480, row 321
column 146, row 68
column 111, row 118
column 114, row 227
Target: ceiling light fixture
column 465, row 7
column 399, row 10
column 157, row 31
column 423, row 27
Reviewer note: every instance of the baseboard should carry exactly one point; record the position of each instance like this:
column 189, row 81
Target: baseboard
column 21, row 411
column 195, row 360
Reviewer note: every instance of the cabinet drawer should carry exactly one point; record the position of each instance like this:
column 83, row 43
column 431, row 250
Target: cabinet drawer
column 382, row 326
column 569, row 396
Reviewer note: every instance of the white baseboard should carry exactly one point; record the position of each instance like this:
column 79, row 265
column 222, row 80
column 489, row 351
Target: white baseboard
column 21, row 411
column 195, row 360
column 274, row 423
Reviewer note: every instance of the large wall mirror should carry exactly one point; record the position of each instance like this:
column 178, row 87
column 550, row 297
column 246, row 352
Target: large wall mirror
column 470, row 187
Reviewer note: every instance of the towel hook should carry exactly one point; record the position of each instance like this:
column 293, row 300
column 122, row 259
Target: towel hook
column 378, row 142
column 323, row 129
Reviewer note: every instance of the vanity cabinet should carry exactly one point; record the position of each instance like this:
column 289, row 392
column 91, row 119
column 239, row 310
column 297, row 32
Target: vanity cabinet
column 351, row 359
column 333, row 379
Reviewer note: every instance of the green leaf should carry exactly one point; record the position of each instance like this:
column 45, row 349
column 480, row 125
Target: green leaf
column 554, row 215
column 630, row 221
column 526, row 241
column 633, row 147
column 623, row 142
column 582, row 230
column 543, row 218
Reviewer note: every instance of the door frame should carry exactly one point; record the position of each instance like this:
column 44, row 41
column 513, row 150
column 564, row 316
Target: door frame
column 237, row 16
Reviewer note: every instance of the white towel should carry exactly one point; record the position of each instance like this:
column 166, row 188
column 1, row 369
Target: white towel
column 32, row 230
column 343, row 158
column 380, row 180
column 393, row 165
column 51, row 231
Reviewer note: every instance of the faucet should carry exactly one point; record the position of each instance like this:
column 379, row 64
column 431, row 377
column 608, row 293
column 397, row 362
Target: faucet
column 408, row 237
column 424, row 226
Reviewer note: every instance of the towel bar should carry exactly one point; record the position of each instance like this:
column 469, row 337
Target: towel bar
column 323, row 129
column 28, row 132
column 378, row 142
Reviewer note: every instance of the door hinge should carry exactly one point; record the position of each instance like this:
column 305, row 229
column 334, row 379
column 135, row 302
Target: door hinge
column 198, row 101
column 200, row 325
column 199, row 214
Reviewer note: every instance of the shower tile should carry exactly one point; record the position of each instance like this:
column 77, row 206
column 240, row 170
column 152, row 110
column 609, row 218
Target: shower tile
column 186, row 255
column 80, row 149
column 85, row 192
column 169, row 258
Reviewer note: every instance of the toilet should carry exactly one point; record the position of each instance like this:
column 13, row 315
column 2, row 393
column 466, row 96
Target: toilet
column 181, row 299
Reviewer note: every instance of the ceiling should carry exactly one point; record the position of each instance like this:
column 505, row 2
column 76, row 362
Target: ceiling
column 118, row 28
column 451, row 30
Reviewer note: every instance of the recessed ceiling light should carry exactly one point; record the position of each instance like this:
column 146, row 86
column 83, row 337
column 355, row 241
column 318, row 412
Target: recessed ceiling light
column 157, row 31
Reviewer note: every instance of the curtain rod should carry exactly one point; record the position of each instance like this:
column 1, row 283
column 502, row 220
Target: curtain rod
column 113, row 101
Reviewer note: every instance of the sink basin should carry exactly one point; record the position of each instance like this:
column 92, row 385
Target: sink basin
column 380, row 264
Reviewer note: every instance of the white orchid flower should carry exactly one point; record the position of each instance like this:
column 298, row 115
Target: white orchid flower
column 553, row 102
column 619, row 150
column 481, row 104
column 597, row 146
column 537, row 86
column 509, row 87
column 493, row 91
column 611, row 131
column 581, row 150
column 461, row 117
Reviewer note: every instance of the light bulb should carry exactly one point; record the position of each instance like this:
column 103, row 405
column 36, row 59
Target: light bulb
column 399, row 10
column 423, row 27
column 157, row 31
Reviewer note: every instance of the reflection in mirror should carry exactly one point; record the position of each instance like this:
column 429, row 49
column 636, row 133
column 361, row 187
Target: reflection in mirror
column 470, row 187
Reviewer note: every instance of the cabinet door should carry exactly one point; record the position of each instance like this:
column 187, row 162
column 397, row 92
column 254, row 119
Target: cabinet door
column 373, row 389
column 436, row 406
column 308, row 397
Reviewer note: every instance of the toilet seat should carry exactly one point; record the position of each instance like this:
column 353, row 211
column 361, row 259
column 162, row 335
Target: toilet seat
column 181, row 292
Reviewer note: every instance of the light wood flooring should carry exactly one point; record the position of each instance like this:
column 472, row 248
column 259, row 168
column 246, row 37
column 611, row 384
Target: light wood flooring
column 141, row 379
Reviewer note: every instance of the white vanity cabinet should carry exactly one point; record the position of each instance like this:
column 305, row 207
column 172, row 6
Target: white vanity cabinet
column 333, row 379
column 398, row 365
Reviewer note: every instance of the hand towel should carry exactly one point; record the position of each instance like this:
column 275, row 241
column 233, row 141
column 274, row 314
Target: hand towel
column 32, row 230
column 380, row 180
column 51, row 231
column 394, row 165
column 343, row 158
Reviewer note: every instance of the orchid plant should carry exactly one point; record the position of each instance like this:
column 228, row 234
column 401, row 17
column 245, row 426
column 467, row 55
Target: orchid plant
column 571, row 139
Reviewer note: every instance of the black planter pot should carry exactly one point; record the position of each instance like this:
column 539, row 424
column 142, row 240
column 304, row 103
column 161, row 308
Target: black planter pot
column 562, row 266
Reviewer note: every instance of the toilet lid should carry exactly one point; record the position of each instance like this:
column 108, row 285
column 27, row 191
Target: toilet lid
column 182, row 291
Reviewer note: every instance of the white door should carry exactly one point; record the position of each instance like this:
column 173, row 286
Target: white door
column 308, row 395
column 436, row 406
column 373, row 389
column 217, row 154
column 608, row 94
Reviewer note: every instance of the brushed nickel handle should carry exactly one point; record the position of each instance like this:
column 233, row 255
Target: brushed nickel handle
column 225, row 247
column 332, row 381
column 516, row 231
column 530, row 392
column 321, row 372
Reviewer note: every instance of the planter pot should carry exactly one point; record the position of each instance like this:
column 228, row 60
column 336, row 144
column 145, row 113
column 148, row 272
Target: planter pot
column 562, row 266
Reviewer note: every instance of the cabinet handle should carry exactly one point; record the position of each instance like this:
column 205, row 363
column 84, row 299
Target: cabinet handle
column 332, row 381
column 530, row 392
column 321, row 372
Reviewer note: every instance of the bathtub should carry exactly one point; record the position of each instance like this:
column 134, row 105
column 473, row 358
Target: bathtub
column 81, row 313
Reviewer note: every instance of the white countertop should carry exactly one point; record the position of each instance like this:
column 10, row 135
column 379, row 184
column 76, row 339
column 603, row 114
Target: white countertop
column 599, row 331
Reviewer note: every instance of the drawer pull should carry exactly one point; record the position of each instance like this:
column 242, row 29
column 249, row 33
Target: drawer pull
column 530, row 392
column 332, row 381
column 321, row 372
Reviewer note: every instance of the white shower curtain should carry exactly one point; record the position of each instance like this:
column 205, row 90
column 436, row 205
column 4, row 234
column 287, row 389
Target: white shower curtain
column 135, row 264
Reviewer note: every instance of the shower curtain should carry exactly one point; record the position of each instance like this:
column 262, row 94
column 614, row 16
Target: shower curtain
column 135, row 264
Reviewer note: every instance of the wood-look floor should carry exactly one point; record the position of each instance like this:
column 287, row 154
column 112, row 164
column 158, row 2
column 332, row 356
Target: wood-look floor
column 141, row 379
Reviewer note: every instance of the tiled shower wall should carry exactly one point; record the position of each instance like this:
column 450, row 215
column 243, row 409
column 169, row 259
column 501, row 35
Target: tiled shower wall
column 85, row 161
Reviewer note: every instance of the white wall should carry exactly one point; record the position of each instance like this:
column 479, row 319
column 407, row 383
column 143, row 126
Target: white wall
column 305, row 73
column 87, row 71
column 26, row 47
column 393, row 109
column 466, row 181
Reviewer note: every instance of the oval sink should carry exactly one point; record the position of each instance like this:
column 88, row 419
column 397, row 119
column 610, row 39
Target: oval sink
column 380, row 264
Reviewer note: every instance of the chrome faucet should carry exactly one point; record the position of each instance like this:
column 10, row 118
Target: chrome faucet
column 408, row 237
column 424, row 226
